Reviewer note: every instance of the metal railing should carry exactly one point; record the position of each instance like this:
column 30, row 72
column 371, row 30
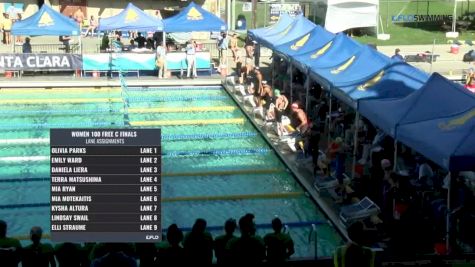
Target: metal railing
column 50, row 48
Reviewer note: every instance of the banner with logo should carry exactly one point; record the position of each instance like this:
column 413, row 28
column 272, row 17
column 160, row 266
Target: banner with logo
column 119, row 61
column 293, row 9
column 40, row 61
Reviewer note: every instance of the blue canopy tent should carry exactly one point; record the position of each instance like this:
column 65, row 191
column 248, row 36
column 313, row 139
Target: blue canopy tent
column 194, row 18
column 284, row 21
column 399, row 86
column 333, row 53
column 46, row 21
column 438, row 121
column 397, row 80
column 131, row 18
column 358, row 68
column 299, row 27
column 316, row 38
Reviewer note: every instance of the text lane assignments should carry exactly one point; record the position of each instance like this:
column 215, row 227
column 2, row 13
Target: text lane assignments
column 105, row 185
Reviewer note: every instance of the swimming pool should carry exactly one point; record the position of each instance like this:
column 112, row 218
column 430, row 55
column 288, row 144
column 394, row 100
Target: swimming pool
column 215, row 163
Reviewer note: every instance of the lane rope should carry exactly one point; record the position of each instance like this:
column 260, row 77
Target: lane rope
column 166, row 137
column 60, row 100
column 187, row 122
column 178, row 199
column 181, row 109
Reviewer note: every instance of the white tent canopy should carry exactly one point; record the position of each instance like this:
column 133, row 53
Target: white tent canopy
column 347, row 14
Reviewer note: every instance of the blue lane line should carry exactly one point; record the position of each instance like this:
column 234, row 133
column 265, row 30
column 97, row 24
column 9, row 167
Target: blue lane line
column 173, row 137
column 69, row 111
column 215, row 88
column 175, row 98
column 217, row 152
column 60, row 125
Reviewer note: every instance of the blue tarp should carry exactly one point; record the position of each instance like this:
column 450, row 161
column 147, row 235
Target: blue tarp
column 194, row 18
column 46, row 22
column 316, row 38
column 437, row 121
column 332, row 54
column 298, row 28
column 131, row 18
column 284, row 20
column 357, row 69
column 397, row 80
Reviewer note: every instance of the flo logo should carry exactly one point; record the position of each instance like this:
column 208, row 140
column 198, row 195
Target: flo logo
column 420, row 18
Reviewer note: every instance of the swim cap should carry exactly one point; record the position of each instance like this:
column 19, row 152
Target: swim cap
column 277, row 92
column 295, row 105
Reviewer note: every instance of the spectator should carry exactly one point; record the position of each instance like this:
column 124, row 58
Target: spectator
column 172, row 253
column 234, row 47
column 223, row 43
column 18, row 38
column 140, row 40
column 249, row 249
column 69, row 255
column 38, row 254
column 92, row 26
column 7, row 28
column 161, row 60
column 279, row 246
column 66, row 40
column 191, row 59
column 26, row 47
column 79, row 16
column 146, row 253
column 221, row 241
column 397, row 55
column 10, row 248
column 198, row 245
column 114, row 257
column 353, row 253
column 132, row 45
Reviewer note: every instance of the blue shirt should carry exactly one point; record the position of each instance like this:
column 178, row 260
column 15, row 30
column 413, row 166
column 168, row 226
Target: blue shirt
column 398, row 57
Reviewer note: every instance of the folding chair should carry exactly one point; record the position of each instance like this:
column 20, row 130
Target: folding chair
column 363, row 209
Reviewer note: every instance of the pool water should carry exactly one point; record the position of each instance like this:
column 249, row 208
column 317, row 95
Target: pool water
column 242, row 174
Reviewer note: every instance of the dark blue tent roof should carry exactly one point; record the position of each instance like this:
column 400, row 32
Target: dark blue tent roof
column 334, row 53
column 360, row 68
column 131, row 18
column 194, row 18
column 397, row 80
column 316, row 38
column 46, row 21
column 299, row 27
column 284, row 20
column 438, row 121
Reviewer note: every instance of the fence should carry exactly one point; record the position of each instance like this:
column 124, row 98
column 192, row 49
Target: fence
column 74, row 48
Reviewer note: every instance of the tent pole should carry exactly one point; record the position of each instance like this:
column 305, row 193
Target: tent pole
column 307, row 83
column 291, row 87
column 395, row 155
column 272, row 69
column 355, row 143
column 449, row 211
column 329, row 115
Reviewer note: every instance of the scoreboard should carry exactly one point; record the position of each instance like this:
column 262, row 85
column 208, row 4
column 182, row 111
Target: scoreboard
column 105, row 185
